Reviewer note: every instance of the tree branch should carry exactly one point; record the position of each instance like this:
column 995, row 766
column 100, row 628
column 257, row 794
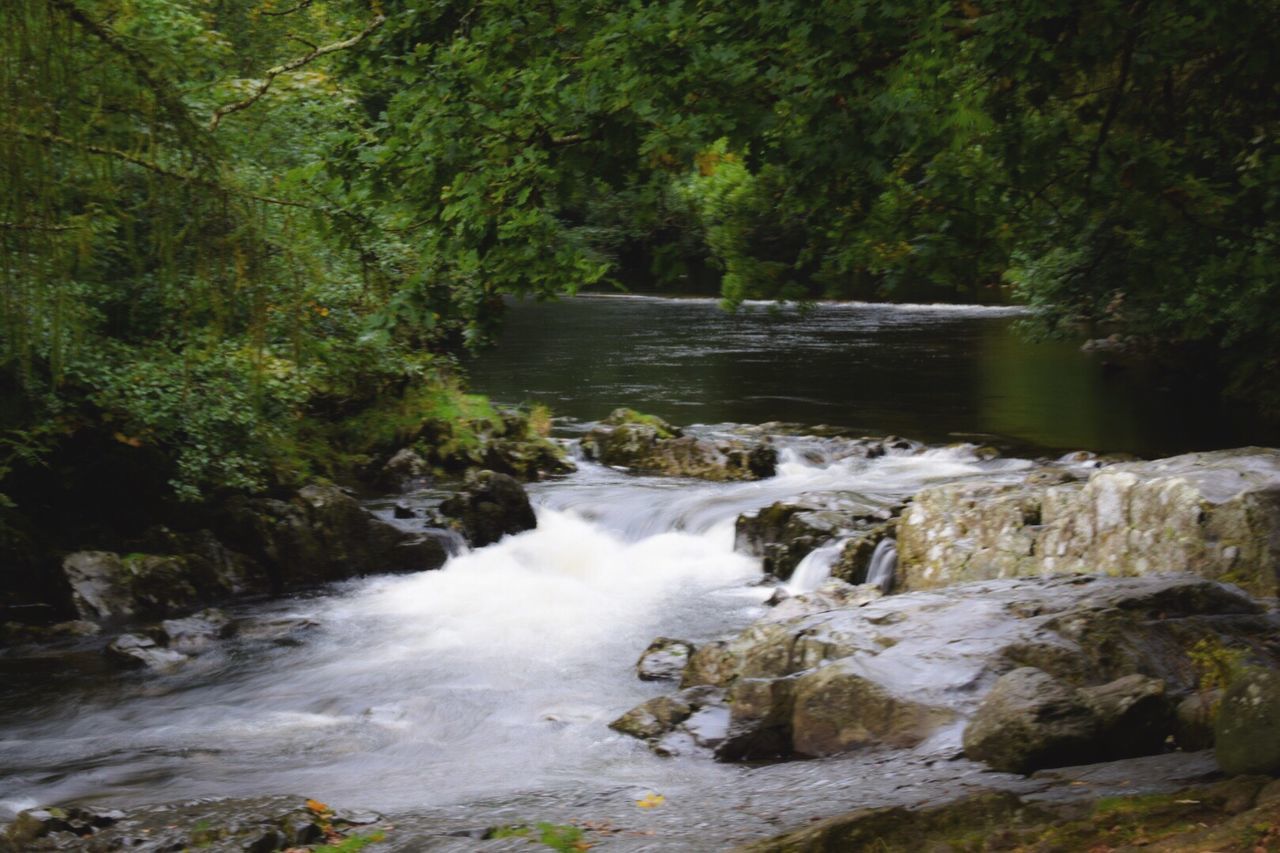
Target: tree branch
column 168, row 101
column 292, row 65
column 150, row 165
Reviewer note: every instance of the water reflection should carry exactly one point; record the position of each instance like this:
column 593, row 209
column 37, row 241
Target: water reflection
column 934, row 373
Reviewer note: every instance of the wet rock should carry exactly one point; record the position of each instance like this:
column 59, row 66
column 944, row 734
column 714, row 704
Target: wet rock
column 1193, row 720
column 490, row 506
column 1247, row 730
column 321, row 535
column 647, row 444
column 712, row 663
column 109, row 588
column 665, row 659
column 136, row 651
column 1135, row 716
column 836, row 709
column 34, row 824
column 403, row 511
column 759, row 720
column 195, row 634
column 783, row 534
column 681, row 714
column 287, row 631
column 1028, row 721
column 1215, row 514
column 653, row 718
column 845, row 667
column 405, row 467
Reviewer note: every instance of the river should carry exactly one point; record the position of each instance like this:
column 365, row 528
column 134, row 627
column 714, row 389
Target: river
column 480, row 694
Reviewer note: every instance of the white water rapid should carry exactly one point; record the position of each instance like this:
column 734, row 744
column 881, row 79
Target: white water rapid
column 486, row 685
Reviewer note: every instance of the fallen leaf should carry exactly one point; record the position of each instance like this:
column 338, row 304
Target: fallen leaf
column 651, row 801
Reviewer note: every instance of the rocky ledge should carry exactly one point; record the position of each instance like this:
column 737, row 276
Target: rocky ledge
column 1023, row 673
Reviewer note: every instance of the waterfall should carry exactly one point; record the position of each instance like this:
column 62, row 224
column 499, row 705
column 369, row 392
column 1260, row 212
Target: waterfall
column 814, row 568
column 884, row 562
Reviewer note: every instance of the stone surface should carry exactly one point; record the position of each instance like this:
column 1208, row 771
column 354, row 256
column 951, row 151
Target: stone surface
column 490, row 506
column 135, row 650
column 196, row 633
column 653, row 446
column 1216, row 514
column 838, row 670
column 836, row 708
column 1247, row 729
column 664, row 660
column 1029, row 720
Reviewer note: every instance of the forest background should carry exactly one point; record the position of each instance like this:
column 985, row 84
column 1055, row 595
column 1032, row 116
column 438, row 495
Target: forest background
column 245, row 241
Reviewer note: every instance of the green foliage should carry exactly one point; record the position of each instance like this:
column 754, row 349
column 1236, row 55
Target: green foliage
column 561, row 837
column 222, row 223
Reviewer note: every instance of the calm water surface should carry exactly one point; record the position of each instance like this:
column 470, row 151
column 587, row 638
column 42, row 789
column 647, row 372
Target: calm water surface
column 933, row 373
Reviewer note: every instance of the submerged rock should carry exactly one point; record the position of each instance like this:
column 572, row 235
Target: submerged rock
column 197, row 633
column 1215, row 514
column 490, row 506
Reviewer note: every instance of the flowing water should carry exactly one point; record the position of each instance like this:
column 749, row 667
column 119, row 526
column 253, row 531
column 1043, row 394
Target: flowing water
column 480, row 693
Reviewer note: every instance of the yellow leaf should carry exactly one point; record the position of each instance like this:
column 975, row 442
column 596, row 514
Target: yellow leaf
column 651, row 801
column 317, row 806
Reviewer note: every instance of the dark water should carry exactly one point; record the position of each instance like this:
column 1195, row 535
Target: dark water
column 933, row 373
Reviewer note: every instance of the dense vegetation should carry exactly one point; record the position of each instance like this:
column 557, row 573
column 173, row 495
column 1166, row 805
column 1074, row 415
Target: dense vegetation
column 230, row 225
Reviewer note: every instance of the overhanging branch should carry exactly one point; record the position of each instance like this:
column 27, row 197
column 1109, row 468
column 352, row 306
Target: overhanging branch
column 294, row 64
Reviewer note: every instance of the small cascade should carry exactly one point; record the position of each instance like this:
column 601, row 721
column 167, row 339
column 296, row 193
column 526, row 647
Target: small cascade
column 814, row 568
column 884, row 562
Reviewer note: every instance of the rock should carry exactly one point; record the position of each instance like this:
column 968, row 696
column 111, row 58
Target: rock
column 405, row 467
column 836, row 709
column 323, row 535
column 490, row 506
column 195, row 634
column 134, row 651
column 1135, row 716
column 665, row 659
column 403, row 511
column 759, row 720
column 653, row 718
column 660, row 716
column 646, row 444
column 783, row 534
column 109, row 588
column 96, row 585
column 1193, row 720
column 711, row 664
column 1247, row 730
column 845, row 667
column 1215, row 514
column 1028, row 721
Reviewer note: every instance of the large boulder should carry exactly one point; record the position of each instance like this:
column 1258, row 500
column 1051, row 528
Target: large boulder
column 1028, row 721
column 837, row 708
column 1247, row 729
column 490, row 506
column 323, row 534
column 649, row 445
column 1215, row 514
column 108, row 587
column 1031, row 720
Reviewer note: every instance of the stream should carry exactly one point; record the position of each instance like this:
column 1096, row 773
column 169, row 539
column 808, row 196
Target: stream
column 480, row 694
